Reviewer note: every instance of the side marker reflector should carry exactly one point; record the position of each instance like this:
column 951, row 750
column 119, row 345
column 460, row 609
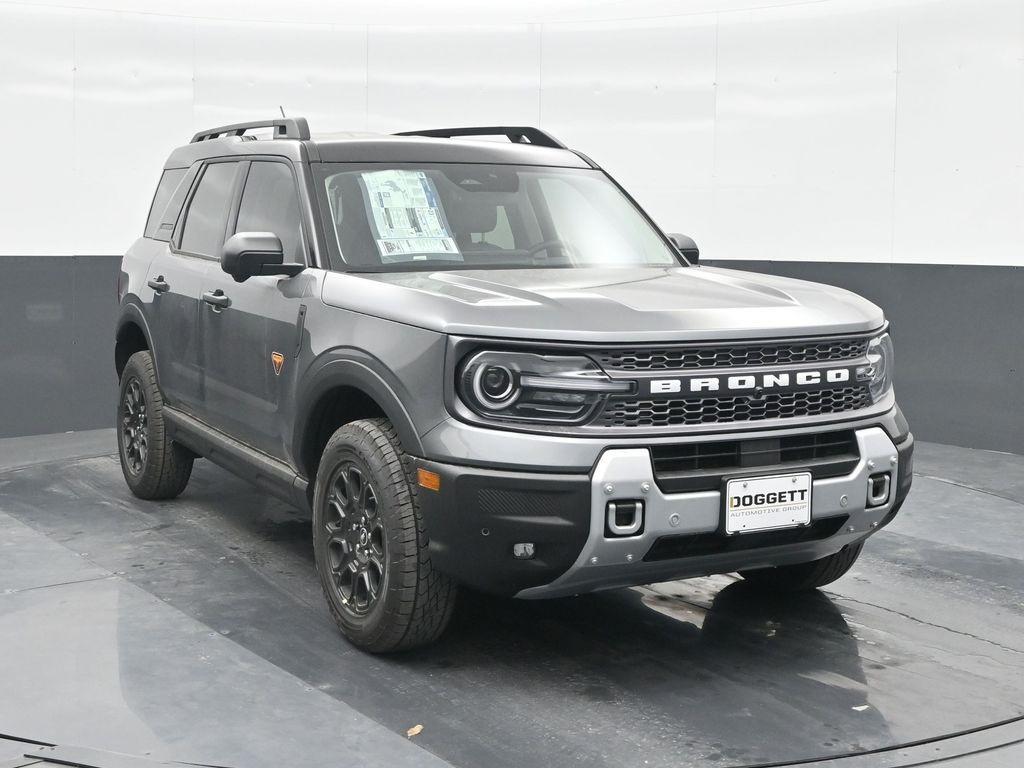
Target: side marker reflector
column 429, row 480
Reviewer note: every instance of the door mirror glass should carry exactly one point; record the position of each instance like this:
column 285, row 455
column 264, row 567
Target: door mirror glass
column 686, row 246
column 247, row 254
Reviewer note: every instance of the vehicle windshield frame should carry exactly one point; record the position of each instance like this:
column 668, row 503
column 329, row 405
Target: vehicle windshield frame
column 337, row 263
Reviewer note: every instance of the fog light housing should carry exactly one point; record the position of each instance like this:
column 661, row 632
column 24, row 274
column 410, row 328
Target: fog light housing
column 523, row 551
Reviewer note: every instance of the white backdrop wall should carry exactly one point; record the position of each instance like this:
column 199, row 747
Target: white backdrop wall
column 834, row 130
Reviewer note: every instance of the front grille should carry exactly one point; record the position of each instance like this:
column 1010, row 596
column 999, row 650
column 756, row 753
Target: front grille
column 689, row 357
column 726, row 410
column 688, row 467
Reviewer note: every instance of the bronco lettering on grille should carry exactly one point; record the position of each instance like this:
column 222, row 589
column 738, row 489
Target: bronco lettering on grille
column 778, row 381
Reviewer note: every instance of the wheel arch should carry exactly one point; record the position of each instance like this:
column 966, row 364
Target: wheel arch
column 340, row 390
column 132, row 335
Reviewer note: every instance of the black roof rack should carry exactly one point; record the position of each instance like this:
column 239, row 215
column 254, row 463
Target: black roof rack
column 284, row 128
column 517, row 135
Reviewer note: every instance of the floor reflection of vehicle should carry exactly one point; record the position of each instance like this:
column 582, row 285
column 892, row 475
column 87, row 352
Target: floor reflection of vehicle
column 714, row 661
column 803, row 660
column 700, row 664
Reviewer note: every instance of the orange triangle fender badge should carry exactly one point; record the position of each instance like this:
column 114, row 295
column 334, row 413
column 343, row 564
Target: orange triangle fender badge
column 278, row 360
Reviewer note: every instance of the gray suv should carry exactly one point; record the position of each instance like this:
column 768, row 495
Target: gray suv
column 479, row 363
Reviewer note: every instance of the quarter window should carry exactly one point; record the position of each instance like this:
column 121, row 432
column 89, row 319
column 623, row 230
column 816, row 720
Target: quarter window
column 208, row 213
column 168, row 184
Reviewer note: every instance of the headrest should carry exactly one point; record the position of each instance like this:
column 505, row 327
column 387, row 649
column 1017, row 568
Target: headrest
column 473, row 212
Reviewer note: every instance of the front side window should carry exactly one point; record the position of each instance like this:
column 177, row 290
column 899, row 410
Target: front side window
column 207, row 216
column 270, row 203
column 462, row 216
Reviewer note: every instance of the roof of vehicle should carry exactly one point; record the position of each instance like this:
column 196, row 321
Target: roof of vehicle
column 290, row 137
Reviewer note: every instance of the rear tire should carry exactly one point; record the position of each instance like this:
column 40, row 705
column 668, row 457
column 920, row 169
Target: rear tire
column 154, row 466
column 370, row 544
column 804, row 577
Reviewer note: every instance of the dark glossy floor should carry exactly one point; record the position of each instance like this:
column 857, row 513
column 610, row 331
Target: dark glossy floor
column 194, row 630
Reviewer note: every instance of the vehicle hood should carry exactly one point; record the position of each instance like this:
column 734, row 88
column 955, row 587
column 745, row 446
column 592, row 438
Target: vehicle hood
column 605, row 304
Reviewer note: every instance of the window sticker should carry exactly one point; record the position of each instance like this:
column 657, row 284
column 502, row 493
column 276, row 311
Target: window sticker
column 409, row 223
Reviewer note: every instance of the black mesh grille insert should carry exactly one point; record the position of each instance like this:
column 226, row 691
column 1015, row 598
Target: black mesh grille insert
column 724, row 410
column 526, row 502
column 714, row 543
column 740, row 356
column 700, row 466
column 727, row 454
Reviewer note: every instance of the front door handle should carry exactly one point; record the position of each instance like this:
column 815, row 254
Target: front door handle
column 217, row 300
column 159, row 284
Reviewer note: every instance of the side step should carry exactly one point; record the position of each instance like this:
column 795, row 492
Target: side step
column 264, row 471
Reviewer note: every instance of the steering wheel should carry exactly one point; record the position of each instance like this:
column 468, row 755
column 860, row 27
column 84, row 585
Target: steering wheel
column 547, row 245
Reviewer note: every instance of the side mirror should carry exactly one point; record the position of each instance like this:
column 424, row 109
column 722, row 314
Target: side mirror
column 247, row 254
column 685, row 245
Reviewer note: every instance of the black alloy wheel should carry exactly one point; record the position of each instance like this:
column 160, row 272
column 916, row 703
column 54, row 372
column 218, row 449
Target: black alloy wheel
column 356, row 540
column 370, row 544
column 134, row 427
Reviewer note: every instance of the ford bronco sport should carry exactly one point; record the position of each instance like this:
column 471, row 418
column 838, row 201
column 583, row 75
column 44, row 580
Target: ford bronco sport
column 480, row 363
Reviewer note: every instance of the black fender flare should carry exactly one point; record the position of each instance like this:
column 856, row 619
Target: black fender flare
column 132, row 313
column 351, row 368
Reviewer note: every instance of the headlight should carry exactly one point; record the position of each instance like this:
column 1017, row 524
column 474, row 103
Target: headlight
column 521, row 386
column 878, row 372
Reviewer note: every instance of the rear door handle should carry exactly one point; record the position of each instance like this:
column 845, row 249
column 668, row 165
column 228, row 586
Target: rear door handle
column 217, row 300
column 159, row 284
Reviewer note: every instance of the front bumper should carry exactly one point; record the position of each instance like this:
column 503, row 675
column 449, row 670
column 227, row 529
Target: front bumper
column 479, row 514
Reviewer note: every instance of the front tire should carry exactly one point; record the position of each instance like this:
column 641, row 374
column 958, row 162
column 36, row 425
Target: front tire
column 804, row 577
column 154, row 466
column 370, row 545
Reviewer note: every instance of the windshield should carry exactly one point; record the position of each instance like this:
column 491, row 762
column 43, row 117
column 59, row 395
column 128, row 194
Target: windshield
column 447, row 216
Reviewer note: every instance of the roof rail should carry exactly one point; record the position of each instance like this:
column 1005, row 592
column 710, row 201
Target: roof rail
column 284, row 128
column 517, row 135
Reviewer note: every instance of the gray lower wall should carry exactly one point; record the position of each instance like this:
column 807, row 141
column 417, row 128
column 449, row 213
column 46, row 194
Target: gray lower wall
column 959, row 333
column 57, row 316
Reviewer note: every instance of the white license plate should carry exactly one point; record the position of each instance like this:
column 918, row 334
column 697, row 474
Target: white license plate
column 765, row 503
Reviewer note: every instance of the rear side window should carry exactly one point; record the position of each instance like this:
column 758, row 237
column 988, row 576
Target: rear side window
column 208, row 212
column 270, row 203
column 169, row 182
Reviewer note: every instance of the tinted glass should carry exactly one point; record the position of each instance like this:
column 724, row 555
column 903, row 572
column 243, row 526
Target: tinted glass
column 455, row 216
column 208, row 213
column 270, row 203
column 168, row 183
